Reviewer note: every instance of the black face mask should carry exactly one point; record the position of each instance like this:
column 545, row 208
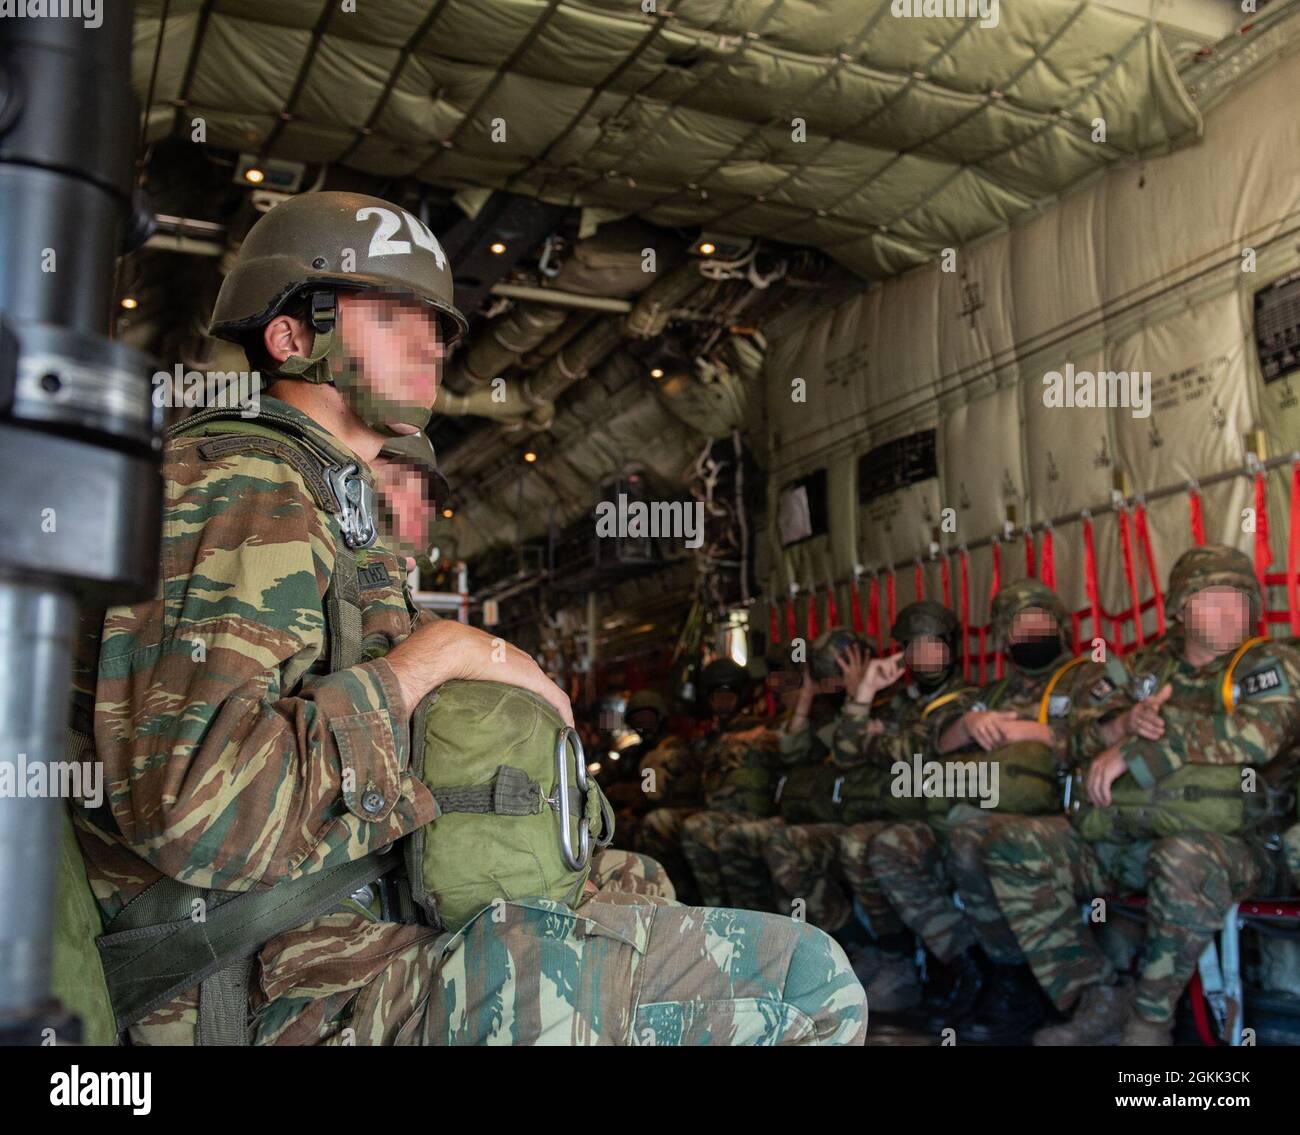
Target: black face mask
column 1035, row 653
column 931, row 681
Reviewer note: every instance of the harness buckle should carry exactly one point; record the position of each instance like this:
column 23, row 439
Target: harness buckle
column 568, row 736
column 356, row 505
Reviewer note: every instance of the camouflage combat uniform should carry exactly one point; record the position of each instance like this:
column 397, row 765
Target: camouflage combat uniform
column 737, row 772
column 1041, row 867
column 674, row 793
column 918, row 864
column 224, row 739
column 1291, row 847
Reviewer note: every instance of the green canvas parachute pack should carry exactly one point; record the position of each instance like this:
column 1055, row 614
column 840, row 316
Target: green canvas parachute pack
column 518, row 816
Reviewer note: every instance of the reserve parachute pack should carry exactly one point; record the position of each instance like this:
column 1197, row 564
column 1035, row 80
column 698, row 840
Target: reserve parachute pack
column 1192, row 798
column 518, row 817
column 1028, row 781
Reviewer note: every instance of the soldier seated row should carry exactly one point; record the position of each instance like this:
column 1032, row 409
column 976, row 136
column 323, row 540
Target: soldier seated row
column 919, row 805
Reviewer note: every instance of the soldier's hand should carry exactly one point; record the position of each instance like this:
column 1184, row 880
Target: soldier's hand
column 987, row 727
column 1107, row 767
column 1145, row 719
column 853, row 666
column 442, row 650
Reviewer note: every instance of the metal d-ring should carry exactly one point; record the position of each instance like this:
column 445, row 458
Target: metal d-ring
column 566, row 737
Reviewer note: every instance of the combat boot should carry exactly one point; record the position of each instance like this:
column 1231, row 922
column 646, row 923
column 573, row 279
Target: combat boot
column 865, row 961
column 1148, row 1034
column 1010, row 1008
column 894, row 986
column 1099, row 1018
column 950, row 993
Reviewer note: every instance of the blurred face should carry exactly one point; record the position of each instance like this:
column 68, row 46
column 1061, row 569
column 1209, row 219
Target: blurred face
column 723, row 703
column 644, row 721
column 1032, row 623
column 411, row 513
column 833, row 685
column 1218, row 618
column 927, row 654
column 394, row 344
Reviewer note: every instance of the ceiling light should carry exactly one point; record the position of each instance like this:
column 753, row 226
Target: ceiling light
column 448, row 513
column 708, row 248
column 254, row 176
column 130, row 303
column 497, row 247
column 530, row 457
column 658, row 372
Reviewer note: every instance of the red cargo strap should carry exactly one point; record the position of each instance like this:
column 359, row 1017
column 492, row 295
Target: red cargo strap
column 1049, row 559
column 855, row 606
column 813, row 629
column 1197, row 515
column 1263, row 553
column 1293, row 552
column 832, row 611
column 1031, row 568
column 1130, row 576
column 947, row 582
column 791, row 624
column 1090, row 579
column 774, row 623
column 1149, row 557
column 873, row 609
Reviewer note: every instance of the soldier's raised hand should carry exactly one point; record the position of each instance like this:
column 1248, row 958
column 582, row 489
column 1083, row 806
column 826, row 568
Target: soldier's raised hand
column 1145, row 719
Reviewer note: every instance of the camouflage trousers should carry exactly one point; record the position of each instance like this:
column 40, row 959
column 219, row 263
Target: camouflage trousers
column 918, row 868
column 659, row 836
column 1041, row 869
column 702, row 846
column 1291, row 845
column 803, row 861
column 745, row 877
column 851, row 857
column 623, row 968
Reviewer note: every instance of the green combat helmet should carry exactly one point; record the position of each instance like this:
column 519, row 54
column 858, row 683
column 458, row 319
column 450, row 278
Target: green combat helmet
column 1213, row 565
column 1020, row 596
column 926, row 617
column 724, row 674
column 416, row 450
column 647, row 700
column 827, row 647
column 317, row 244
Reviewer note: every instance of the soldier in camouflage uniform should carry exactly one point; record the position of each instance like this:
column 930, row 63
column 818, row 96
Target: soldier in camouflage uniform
column 1291, row 848
column 804, row 740
column 240, row 759
column 738, row 775
column 978, row 980
column 647, row 713
column 1208, row 696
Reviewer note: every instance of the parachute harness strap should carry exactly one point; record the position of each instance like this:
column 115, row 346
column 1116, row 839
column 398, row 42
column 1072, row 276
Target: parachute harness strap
column 1229, row 700
column 1045, row 705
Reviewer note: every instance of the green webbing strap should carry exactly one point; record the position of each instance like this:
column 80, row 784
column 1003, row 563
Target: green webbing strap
column 998, row 691
column 154, row 949
column 343, row 608
column 223, row 1006
column 512, row 792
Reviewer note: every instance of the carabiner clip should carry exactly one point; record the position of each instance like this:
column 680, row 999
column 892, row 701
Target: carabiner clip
column 566, row 737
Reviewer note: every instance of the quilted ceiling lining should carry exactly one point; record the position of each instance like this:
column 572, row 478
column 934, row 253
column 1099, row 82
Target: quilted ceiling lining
column 920, row 133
